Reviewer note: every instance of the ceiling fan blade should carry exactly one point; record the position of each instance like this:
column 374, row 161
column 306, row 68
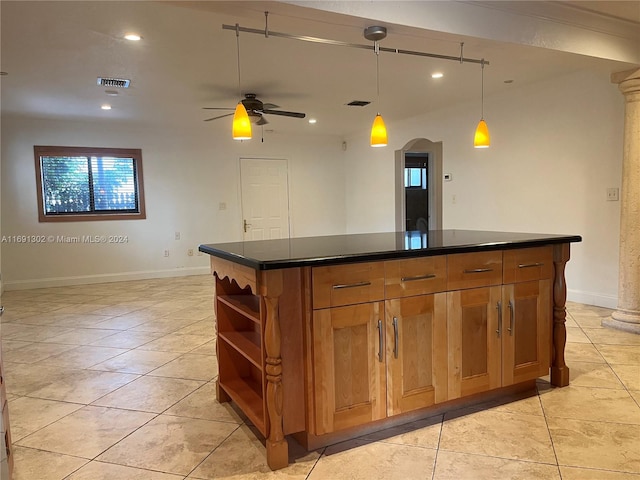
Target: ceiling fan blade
column 269, row 106
column 284, row 113
column 262, row 121
column 217, row 108
column 221, row 116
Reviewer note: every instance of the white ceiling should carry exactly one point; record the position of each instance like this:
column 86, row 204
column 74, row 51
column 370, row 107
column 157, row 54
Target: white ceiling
column 54, row 51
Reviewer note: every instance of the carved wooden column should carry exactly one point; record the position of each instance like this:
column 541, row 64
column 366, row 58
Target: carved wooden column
column 627, row 315
column 559, row 370
column 277, row 448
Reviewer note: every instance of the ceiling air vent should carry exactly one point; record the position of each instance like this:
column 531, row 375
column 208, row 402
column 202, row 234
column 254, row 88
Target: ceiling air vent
column 113, row 82
column 358, row 103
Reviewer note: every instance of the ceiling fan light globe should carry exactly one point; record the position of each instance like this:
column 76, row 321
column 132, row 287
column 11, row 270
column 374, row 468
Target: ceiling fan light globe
column 241, row 123
column 378, row 132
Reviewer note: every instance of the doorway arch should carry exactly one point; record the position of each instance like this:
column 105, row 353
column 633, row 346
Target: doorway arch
column 425, row 155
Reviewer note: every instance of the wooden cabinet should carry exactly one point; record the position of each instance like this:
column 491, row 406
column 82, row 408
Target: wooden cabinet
column 448, row 328
column 349, row 366
column 378, row 359
column 473, row 341
column 527, row 298
column 526, row 333
column 416, row 352
column 501, row 335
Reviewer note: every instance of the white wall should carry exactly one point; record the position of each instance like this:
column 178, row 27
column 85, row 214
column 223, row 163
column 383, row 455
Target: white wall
column 556, row 147
column 187, row 174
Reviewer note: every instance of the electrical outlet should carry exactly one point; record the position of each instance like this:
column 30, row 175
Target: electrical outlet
column 166, row 253
column 222, row 206
column 190, row 252
column 613, row 194
column 177, row 236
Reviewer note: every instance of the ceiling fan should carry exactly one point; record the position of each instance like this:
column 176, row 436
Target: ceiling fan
column 255, row 109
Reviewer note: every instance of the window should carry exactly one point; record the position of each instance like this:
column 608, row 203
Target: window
column 78, row 183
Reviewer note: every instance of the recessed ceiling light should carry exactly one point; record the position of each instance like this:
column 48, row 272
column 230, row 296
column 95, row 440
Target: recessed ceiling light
column 106, row 107
column 312, row 120
column 134, row 37
column 111, row 93
column 437, row 75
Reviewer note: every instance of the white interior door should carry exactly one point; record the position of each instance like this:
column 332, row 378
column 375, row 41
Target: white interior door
column 265, row 198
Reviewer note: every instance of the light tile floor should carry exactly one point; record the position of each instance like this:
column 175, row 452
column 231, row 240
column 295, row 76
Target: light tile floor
column 116, row 381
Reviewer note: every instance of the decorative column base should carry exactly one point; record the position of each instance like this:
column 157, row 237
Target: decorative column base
column 625, row 320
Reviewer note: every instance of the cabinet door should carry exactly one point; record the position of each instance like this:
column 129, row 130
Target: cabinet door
column 526, row 341
column 475, row 360
column 416, row 352
column 349, row 366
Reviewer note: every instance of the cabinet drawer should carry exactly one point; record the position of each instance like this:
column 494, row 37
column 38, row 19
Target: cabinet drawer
column 349, row 284
column 415, row 276
column 526, row 264
column 471, row 270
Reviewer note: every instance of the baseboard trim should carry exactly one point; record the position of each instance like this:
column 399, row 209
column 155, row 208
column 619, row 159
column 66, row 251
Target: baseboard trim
column 102, row 278
column 590, row 298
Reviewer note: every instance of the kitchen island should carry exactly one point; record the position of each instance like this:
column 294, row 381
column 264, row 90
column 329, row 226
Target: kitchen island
column 327, row 338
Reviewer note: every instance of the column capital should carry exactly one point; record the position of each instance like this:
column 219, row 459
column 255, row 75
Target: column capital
column 619, row 77
column 628, row 81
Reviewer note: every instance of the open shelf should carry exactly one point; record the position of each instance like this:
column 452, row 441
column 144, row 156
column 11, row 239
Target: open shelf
column 245, row 343
column 246, row 305
column 246, row 393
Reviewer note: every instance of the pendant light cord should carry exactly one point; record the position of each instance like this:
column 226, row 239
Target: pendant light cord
column 376, row 49
column 238, row 53
column 482, row 92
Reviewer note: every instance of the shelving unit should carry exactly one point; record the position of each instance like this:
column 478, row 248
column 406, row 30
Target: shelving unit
column 241, row 353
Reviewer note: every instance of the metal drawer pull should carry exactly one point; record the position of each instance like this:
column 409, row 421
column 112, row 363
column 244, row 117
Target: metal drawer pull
column 529, row 265
column 351, row 285
column 380, row 342
column 419, row 277
column 395, row 335
column 511, row 317
column 479, row 270
column 499, row 307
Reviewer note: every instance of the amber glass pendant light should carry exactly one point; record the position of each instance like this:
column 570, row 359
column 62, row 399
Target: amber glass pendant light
column 378, row 132
column 378, row 128
column 241, row 129
column 482, row 139
column 241, row 123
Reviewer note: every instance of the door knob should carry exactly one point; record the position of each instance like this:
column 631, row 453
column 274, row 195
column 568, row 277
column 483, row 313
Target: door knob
column 246, row 225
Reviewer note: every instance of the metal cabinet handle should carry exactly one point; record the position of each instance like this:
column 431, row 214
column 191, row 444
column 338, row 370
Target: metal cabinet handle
column 419, row 277
column 380, row 342
column 351, row 285
column 529, row 265
column 395, row 336
column 478, row 270
column 499, row 307
column 511, row 317
column 246, row 225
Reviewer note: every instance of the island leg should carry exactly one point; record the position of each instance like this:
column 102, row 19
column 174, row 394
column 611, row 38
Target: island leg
column 277, row 447
column 559, row 370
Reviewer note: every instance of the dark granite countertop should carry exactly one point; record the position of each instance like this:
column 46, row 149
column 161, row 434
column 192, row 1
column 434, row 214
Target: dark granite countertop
column 362, row 247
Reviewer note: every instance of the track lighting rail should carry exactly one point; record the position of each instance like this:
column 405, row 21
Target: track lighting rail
column 270, row 33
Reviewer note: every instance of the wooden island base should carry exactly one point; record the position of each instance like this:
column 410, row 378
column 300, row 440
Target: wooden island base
column 325, row 349
column 496, row 397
